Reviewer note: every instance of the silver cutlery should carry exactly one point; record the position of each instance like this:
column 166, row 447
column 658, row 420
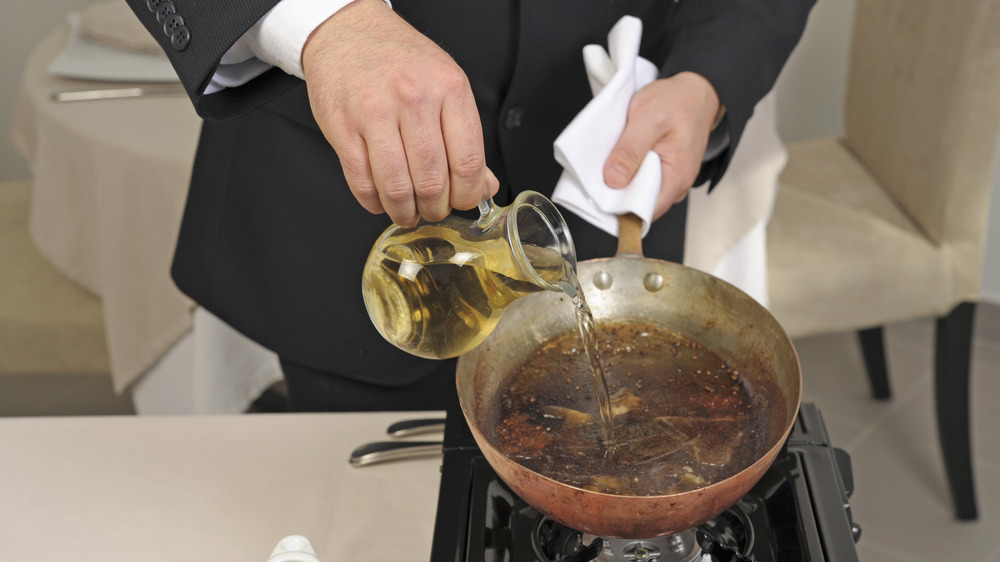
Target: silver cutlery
column 116, row 93
column 383, row 451
column 407, row 428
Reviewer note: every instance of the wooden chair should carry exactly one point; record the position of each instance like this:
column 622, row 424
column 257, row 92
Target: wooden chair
column 889, row 223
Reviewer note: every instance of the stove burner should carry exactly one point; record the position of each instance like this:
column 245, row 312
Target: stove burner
column 681, row 547
column 726, row 538
column 555, row 542
column 731, row 532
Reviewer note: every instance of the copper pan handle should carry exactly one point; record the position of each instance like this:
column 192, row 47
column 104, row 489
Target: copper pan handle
column 629, row 235
column 382, row 451
column 407, row 428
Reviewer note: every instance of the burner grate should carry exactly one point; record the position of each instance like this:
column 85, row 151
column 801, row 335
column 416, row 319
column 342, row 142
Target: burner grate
column 726, row 538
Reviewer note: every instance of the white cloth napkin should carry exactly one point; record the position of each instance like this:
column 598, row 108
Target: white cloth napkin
column 583, row 147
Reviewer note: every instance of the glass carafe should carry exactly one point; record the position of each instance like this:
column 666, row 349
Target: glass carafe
column 438, row 289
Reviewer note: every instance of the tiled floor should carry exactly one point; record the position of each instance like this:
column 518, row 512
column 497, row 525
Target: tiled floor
column 901, row 498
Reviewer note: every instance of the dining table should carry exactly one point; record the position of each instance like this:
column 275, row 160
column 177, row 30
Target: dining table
column 213, row 487
column 110, row 178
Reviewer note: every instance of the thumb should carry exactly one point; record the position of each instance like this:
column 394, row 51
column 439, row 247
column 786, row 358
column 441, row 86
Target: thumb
column 622, row 163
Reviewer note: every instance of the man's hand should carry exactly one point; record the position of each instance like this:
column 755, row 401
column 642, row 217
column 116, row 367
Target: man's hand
column 673, row 117
column 399, row 112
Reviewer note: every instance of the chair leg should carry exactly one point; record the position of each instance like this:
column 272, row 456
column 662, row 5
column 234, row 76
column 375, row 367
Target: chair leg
column 873, row 351
column 953, row 350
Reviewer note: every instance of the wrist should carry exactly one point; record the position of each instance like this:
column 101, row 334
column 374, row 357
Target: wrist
column 340, row 26
column 710, row 104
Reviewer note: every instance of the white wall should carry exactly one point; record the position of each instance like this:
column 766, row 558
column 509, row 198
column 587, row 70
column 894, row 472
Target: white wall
column 810, row 90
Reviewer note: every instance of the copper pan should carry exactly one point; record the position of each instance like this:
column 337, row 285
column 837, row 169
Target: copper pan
column 631, row 287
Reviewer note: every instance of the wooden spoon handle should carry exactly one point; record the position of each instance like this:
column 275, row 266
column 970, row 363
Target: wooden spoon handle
column 629, row 235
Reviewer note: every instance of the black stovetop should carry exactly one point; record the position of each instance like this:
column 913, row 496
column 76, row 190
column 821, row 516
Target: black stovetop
column 798, row 511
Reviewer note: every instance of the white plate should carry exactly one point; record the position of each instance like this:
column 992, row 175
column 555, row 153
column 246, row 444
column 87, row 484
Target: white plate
column 87, row 60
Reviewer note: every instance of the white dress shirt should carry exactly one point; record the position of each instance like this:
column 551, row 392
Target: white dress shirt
column 276, row 39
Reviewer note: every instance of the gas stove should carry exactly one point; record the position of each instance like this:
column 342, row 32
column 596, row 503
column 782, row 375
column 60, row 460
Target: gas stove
column 798, row 511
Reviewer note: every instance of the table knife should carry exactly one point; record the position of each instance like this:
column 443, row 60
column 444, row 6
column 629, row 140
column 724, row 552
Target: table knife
column 116, row 93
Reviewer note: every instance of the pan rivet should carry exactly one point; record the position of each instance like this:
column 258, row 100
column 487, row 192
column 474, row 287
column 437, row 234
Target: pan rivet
column 603, row 280
column 653, row 282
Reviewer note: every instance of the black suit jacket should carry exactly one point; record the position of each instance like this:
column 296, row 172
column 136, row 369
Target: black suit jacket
column 272, row 240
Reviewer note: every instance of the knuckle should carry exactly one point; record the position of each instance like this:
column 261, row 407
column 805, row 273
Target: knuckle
column 658, row 120
column 364, row 190
column 435, row 214
column 468, row 166
column 406, row 220
column 442, row 82
column 353, row 165
column 430, row 186
column 367, row 196
column 455, row 82
column 466, row 202
column 412, row 94
column 396, row 191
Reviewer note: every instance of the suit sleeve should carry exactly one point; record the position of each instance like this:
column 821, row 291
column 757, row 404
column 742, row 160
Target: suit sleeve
column 195, row 34
column 740, row 46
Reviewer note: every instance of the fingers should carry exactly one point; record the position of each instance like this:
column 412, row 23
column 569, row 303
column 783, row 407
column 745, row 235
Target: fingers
column 441, row 145
column 463, row 138
column 391, row 175
column 431, row 162
column 353, row 154
column 421, row 168
column 637, row 139
column 426, row 179
column 676, row 181
column 671, row 117
column 400, row 114
column 492, row 183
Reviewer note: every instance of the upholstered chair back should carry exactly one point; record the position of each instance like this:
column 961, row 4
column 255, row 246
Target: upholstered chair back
column 921, row 113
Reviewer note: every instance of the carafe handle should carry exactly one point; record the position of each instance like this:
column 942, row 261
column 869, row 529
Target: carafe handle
column 488, row 212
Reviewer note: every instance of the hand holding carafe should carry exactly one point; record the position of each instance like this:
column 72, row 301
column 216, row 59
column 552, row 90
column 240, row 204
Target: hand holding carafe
column 437, row 290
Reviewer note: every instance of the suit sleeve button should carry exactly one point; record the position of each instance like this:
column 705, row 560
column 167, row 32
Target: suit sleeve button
column 152, row 4
column 164, row 9
column 180, row 38
column 171, row 23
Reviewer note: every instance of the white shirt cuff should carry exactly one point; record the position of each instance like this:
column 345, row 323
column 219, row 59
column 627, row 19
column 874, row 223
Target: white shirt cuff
column 276, row 39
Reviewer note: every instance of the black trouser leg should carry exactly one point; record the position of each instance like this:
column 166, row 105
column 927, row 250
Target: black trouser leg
column 310, row 390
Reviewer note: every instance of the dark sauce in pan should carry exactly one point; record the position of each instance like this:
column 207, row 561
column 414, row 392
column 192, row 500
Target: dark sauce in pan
column 683, row 417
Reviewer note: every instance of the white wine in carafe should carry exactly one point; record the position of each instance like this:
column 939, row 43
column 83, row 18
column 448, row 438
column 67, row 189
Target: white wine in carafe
column 438, row 290
column 437, row 295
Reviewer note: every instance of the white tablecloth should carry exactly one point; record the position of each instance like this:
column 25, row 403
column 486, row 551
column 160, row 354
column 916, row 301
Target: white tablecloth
column 208, row 488
column 110, row 183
